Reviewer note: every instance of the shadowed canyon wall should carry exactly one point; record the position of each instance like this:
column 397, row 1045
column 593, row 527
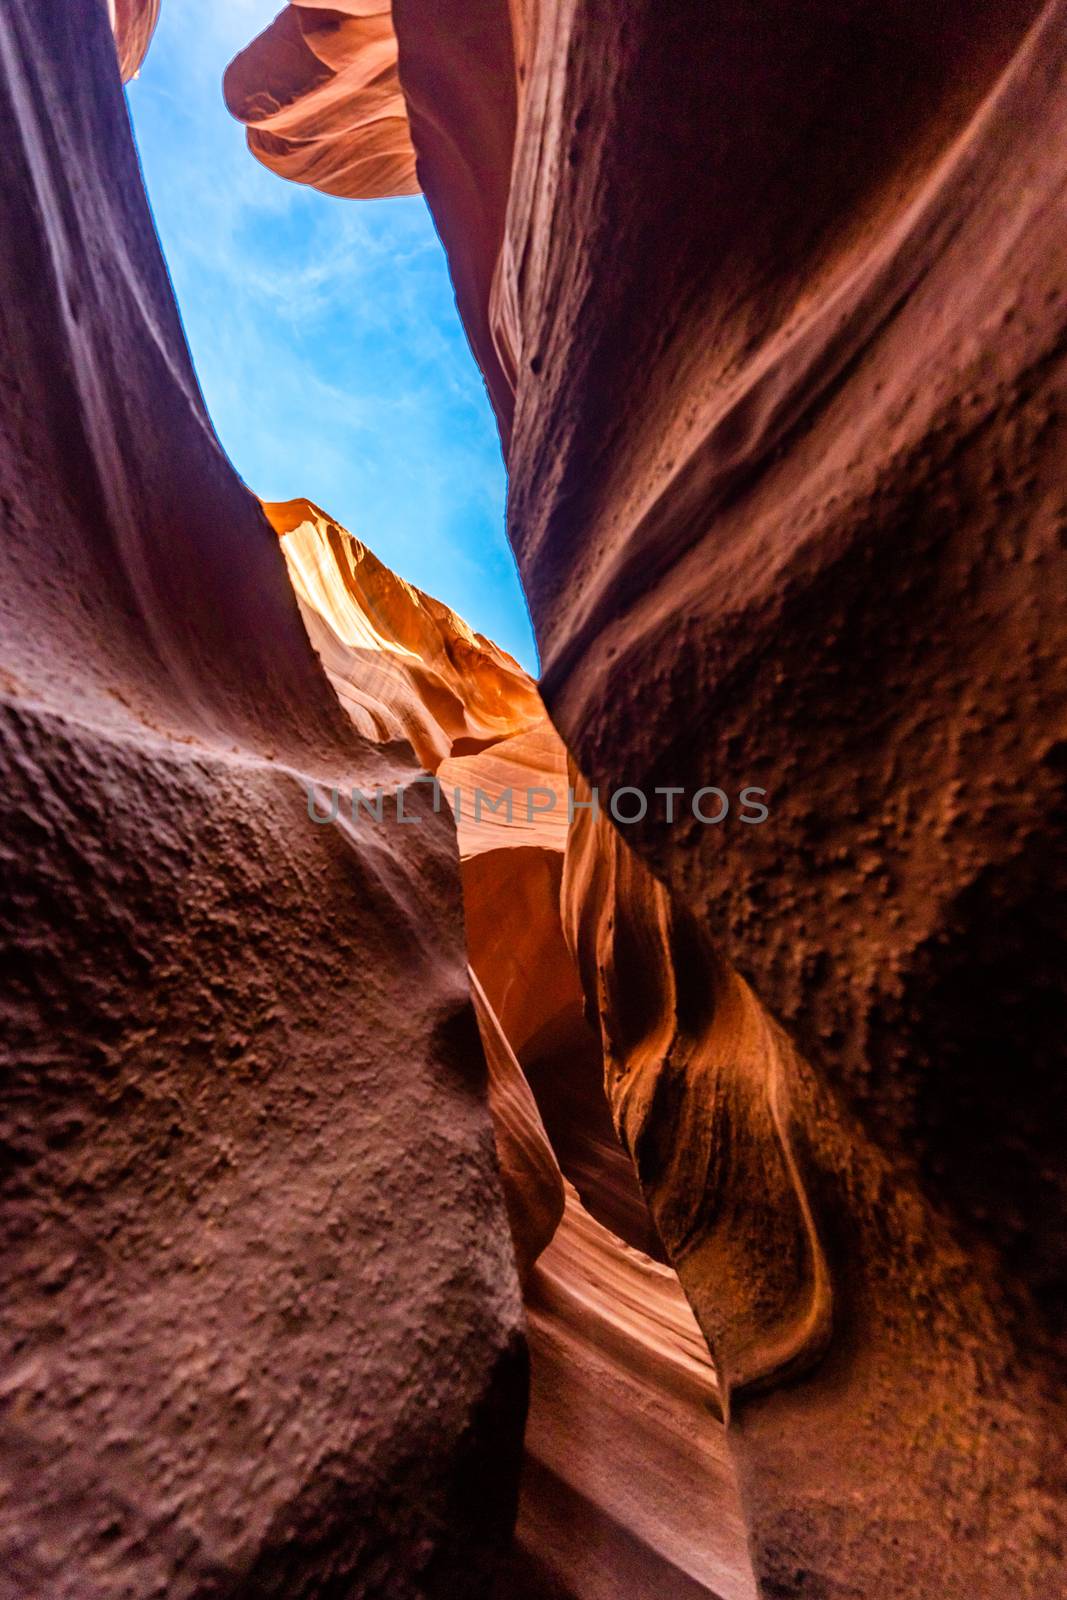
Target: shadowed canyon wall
column 261, row 1322
column 774, row 319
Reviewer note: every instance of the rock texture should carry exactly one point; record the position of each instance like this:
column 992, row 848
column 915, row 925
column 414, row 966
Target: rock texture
column 812, row 448
column 261, row 1325
column 701, row 1084
column 533, row 1186
column 512, row 880
column 320, row 93
column 404, row 666
column 627, row 1490
column 407, row 668
column 775, row 322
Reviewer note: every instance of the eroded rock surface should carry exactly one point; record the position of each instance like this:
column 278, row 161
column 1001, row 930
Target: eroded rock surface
column 533, row 1185
column 320, row 93
column 261, row 1325
column 774, row 320
column 627, row 1489
column 404, row 665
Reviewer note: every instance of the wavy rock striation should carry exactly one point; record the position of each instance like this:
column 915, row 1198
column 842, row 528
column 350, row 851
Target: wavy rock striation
column 813, row 448
column 626, row 1487
column 261, row 1326
column 404, row 665
column 320, row 94
column 775, row 325
column 533, row 1186
column 699, row 1081
column 512, row 879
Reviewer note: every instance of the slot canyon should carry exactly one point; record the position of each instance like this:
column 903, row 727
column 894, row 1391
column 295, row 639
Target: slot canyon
column 414, row 1190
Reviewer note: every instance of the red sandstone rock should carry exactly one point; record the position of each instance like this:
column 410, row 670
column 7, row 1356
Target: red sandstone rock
column 532, row 765
column 261, row 1327
column 695, row 1069
column 773, row 318
column 321, row 97
column 627, row 1490
column 533, row 1186
column 404, row 665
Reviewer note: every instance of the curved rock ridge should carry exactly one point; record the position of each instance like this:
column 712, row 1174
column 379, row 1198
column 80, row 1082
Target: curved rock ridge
column 628, row 1489
column 533, row 1184
column 699, row 1080
column 512, row 802
column 513, row 795
column 319, row 93
column 512, row 854
column 404, row 665
column 133, row 23
column 260, row 1325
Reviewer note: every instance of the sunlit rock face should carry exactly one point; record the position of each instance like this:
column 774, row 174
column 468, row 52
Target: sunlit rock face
column 134, row 23
column 404, row 665
column 627, row 1489
column 320, row 93
column 261, row 1324
column 511, row 804
column 694, row 1069
column 774, row 318
column 407, row 667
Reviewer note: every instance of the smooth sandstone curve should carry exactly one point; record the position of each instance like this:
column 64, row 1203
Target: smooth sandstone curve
column 626, row 1488
column 319, row 93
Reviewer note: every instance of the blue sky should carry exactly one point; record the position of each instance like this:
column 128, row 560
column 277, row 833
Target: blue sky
column 325, row 334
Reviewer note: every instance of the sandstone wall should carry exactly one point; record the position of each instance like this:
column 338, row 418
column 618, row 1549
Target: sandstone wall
column 772, row 312
column 261, row 1324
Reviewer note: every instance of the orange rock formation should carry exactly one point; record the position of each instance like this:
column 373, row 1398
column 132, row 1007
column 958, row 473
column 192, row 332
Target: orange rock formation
column 627, row 1489
column 533, row 1187
column 773, row 319
column 403, row 664
column 320, row 93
